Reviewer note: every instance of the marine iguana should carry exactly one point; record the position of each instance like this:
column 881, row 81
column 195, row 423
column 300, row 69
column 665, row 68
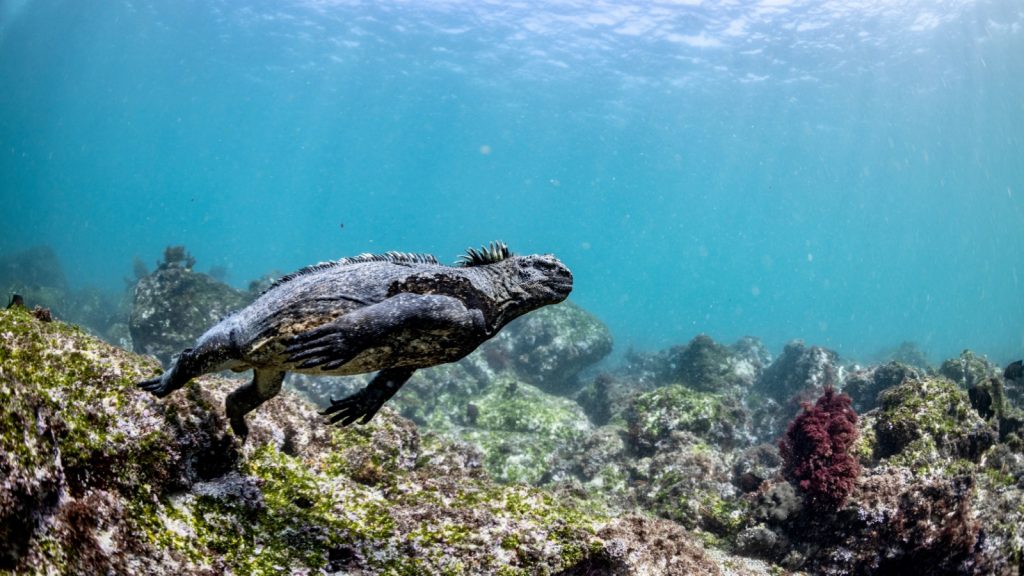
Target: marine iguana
column 392, row 313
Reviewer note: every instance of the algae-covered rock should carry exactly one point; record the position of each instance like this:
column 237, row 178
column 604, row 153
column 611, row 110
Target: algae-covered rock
column 906, row 353
column 708, row 366
column 549, row 347
column 930, row 422
column 935, row 496
column 701, row 365
column 83, row 456
column 516, row 426
column 902, row 524
column 895, row 522
column 605, row 397
column 968, row 369
column 100, row 478
column 864, row 386
column 599, row 463
column 800, row 370
column 713, row 418
column 636, row 546
column 755, row 465
column 800, row 374
column 519, row 428
column 174, row 305
column 690, row 483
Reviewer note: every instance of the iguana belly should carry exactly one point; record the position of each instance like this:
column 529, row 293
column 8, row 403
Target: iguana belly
column 407, row 348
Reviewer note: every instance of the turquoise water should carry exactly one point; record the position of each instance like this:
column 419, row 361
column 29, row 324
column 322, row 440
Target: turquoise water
column 849, row 173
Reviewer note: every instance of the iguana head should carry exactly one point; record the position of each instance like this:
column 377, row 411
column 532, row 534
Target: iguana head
column 526, row 283
column 544, row 278
column 517, row 284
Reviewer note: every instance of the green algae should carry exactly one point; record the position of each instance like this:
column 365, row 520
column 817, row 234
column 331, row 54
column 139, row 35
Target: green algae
column 706, row 365
column 56, row 376
column 968, row 369
column 929, row 425
column 518, row 428
column 680, row 498
column 369, row 491
column 713, row 417
column 306, row 512
column 298, row 518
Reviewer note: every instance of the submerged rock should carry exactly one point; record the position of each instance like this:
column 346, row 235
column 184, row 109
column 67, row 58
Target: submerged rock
column 712, row 418
column 968, row 369
column 520, row 429
column 607, row 397
column 863, row 386
column 99, row 477
column 930, row 423
column 936, row 496
column 907, row 353
column 690, row 482
column 702, row 365
column 549, row 347
column 174, row 305
column 800, row 371
column 708, row 366
column 800, row 374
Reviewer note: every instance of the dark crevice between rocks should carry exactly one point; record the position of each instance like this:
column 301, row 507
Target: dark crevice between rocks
column 596, row 566
column 26, row 507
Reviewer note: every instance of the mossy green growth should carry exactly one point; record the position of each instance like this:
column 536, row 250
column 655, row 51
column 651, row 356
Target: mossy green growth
column 296, row 518
column 73, row 423
column 923, row 421
column 705, row 365
column 697, row 506
column 365, row 498
column 555, row 522
column 512, row 406
column 519, row 428
column 968, row 369
column 865, row 446
column 712, row 417
column 304, row 511
column 54, row 376
column 374, row 454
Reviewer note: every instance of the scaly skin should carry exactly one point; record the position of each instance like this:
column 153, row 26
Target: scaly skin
column 392, row 314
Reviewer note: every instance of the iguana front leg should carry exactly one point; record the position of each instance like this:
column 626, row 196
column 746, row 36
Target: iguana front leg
column 339, row 341
column 364, row 404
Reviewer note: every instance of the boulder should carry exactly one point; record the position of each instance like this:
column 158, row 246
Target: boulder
column 800, row 371
column 549, row 348
column 930, row 423
column 863, row 386
column 174, row 305
column 712, row 418
column 968, row 369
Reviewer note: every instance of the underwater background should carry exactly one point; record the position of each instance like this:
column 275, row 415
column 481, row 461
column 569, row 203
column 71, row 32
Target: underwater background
column 848, row 173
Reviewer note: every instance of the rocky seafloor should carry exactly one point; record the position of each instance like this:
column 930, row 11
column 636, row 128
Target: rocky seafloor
column 530, row 456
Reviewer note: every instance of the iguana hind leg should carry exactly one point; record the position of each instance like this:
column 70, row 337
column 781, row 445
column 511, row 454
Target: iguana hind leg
column 265, row 385
column 364, row 404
